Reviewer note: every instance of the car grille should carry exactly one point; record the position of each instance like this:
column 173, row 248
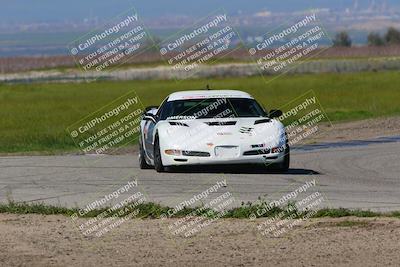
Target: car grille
column 195, row 154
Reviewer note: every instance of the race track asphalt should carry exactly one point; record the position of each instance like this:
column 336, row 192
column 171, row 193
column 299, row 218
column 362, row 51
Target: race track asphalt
column 362, row 174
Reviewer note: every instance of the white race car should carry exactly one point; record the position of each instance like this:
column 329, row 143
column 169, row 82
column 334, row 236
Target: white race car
column 211, row 127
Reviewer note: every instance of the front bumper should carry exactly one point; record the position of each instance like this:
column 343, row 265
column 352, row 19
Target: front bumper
column 271, row 158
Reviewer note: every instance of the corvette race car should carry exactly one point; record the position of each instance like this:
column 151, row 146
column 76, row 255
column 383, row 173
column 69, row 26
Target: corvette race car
column 211, row 127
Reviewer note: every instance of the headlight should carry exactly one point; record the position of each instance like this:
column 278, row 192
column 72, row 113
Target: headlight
column 173, row 152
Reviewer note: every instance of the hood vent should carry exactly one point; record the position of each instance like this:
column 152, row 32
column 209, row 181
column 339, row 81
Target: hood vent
column 221, row 123
column 246, row 130
column 262, row 121
column 177, row 123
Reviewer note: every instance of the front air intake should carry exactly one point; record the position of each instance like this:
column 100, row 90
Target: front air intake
column 221, row 123
column 256, row 152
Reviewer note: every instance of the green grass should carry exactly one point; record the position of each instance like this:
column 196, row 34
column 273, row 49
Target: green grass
column 152, row 210
column 34, row 117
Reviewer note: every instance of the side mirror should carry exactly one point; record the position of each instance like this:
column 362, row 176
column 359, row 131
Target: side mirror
column 150, row 113
column 150, row 108
column 149, row 117
column 275, row 113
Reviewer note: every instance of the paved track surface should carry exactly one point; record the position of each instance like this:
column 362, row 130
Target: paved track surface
column 352, row 175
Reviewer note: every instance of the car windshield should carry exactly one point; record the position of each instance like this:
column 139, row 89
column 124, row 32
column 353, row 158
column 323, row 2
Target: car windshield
column 211, row 108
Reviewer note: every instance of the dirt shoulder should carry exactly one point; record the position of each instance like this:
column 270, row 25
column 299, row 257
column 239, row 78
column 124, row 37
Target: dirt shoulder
column 358, row 130
column 38, row 240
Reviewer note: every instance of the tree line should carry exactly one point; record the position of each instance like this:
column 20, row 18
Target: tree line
column 391, row 37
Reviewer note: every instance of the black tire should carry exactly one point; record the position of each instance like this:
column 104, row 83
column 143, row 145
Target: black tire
column 158, row 166
column 142, row 160
column 284, row 166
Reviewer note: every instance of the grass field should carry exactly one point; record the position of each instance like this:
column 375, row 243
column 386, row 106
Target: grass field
column 34, row 117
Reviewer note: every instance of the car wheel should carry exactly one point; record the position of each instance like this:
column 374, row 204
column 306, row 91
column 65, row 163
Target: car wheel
column 158, row 166
column 142, row 160
column 284, row 166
